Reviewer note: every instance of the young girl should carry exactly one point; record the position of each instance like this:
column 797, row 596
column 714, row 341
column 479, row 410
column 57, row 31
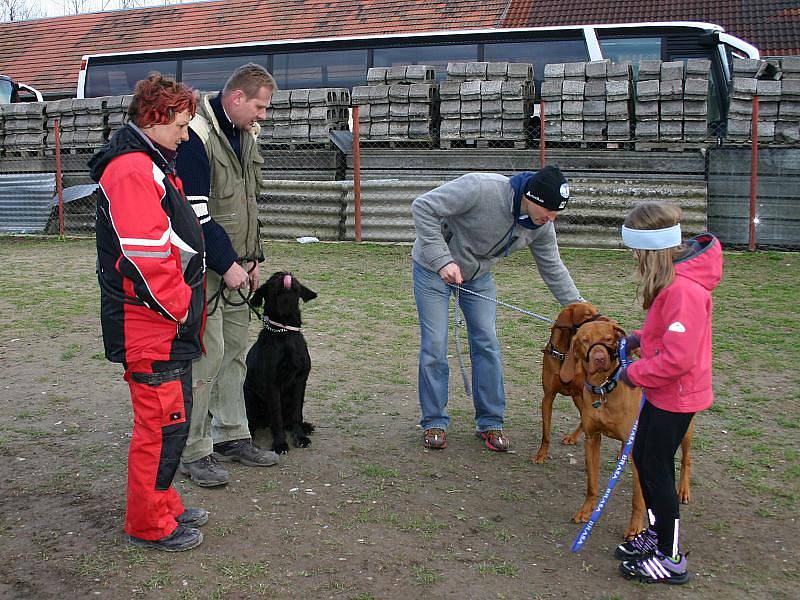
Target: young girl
column 674, row 371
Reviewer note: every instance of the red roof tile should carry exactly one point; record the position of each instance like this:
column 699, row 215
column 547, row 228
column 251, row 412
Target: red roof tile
column 772, row 26
column 46, row 53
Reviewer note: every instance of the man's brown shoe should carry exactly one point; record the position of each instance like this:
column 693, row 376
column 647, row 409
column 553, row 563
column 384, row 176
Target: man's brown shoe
column 434, row 439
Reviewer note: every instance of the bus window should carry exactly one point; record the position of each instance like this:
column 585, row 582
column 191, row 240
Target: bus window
column 210, row 74
column 631, row 49
column 435, row 56
column 6, row 90
column 337, row 68
column 539, row 53
column 117, row 80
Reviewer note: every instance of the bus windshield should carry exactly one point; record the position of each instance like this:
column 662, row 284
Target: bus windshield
column 5, row 91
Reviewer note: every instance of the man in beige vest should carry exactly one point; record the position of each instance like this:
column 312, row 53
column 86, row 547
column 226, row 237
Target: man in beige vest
column 220, row 167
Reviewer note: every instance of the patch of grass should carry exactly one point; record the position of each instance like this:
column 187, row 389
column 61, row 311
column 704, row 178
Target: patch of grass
column 512, row 496
column 70, row 351
column 495, row 567
column 268, row 485
column 95, row 566
column 238, row 571
column 424, row 576
column 378, row 471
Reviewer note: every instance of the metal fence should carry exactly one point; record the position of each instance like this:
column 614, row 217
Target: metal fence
column 342, row 165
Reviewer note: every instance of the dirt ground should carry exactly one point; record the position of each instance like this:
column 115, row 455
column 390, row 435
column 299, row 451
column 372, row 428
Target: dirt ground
column 365, row 512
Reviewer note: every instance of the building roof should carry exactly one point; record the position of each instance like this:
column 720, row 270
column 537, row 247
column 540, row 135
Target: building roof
column 46, row 53
column 772, row 26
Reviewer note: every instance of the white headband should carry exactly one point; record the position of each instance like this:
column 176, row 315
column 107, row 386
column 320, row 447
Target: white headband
column 652, row 239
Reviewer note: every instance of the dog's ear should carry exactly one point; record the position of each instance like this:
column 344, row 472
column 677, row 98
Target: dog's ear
column 306, row 294
column 619, row 332
column 258, row 296
column 564, row 318
column 572, row 363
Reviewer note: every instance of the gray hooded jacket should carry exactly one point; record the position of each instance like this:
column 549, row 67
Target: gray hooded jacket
column 468, row 221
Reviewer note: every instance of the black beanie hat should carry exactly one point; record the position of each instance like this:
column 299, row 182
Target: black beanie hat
column 548, row 188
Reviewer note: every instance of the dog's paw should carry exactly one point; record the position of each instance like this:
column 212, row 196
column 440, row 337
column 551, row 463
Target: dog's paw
column 302, row 441
column 684, row 494
column 570, row 440
column 540, row 456
column 582, row 516
column 307, row 427
column 281, row 448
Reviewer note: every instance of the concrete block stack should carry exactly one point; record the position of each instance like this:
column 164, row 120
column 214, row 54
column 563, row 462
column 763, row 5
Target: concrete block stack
column 573, row 94
column 787, row 127
column 25, row 127
column 744, row 87
column 564, row 94
column 399, row 104
column 486, row 101
column 116, row 113
column 305, row 116
column 619, row 101
column 594, row 105
column 82, row 123
column 552, row 87
column 648, row 92
column 695, row 100
column 670, row 86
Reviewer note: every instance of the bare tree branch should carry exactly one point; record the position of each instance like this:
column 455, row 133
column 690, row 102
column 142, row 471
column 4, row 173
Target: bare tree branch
column 18, row 10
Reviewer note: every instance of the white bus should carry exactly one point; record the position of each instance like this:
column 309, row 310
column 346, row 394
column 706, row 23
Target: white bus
column 343, row 61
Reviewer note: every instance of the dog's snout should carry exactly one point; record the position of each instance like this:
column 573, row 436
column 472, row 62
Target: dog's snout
column 599, row 357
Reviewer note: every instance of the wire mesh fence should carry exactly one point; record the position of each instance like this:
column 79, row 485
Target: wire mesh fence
column 345, row 164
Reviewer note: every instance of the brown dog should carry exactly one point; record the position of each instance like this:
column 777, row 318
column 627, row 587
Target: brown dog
column 610, row 408
column 555, row 352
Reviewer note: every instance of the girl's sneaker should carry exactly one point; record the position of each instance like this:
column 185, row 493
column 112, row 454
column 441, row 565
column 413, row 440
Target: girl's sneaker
column 642, row 545
column 656, row 568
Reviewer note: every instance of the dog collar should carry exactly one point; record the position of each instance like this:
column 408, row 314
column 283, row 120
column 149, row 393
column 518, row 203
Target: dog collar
column 551, row 350
column 276, row 327
column 605, row 388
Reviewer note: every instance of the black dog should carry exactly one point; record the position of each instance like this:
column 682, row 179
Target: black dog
column 278, row 364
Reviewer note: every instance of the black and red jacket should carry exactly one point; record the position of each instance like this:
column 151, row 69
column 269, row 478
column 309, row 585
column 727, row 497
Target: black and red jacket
column 150, row 254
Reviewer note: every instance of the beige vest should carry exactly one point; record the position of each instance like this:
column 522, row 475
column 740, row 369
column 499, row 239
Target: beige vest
column 235, row 185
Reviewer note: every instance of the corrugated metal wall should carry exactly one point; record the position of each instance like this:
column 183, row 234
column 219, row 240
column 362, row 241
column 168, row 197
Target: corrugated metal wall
column 326, row 209
column 26, row 201
column 778, row 196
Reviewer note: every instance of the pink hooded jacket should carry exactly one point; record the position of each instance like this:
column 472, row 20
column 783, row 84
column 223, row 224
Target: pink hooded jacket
column 675, row 368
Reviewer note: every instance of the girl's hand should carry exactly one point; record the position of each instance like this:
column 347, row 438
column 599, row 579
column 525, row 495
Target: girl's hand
column 633, row 342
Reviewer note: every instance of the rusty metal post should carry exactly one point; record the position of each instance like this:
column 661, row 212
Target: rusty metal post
column 751, row 245
column 542, row 141
column 357, row 173
column 59, row 189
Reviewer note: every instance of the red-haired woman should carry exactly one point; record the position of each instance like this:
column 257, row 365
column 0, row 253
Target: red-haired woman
column 151, row 272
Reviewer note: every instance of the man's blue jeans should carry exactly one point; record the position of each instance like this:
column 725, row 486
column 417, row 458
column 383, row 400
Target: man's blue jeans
column 433, row 302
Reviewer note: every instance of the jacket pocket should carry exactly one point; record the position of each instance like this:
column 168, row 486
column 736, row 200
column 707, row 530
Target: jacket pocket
column 222, row 180
column 258, row 184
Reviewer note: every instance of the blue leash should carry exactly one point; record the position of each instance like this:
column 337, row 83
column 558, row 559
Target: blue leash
column 623, row 460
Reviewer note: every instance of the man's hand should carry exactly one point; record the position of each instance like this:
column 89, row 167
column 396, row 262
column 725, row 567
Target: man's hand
column 450, row 273
column 235, row 277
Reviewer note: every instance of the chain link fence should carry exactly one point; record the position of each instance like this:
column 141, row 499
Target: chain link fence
column 345, row 164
